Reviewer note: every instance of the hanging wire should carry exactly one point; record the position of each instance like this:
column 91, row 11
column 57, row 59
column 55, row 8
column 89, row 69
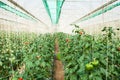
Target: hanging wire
column 16, row 37
column 0, row 24
column 106, row 43
column 103, row 24
column 112, row 53
column 90, row 8
column 9, row 47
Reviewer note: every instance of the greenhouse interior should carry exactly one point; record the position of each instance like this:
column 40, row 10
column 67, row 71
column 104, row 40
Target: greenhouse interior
column 59, row 39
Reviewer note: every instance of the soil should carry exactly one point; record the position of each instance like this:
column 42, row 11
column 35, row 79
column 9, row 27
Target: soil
column 58, row 66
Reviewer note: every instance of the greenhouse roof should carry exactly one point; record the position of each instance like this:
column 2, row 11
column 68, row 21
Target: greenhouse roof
column 66, row 12
column 53, row 8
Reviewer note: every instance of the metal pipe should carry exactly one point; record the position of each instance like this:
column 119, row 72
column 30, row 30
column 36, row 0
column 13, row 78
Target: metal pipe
column 108, row 3
column 16, row 4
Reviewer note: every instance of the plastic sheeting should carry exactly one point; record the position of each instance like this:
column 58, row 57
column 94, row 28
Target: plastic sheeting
column 53, row 8
column 70, row 11
column 15, row 11
column 110, row 7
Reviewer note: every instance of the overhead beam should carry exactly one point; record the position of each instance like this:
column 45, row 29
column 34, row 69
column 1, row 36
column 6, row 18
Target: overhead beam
column 16, row 4
column 99, row 8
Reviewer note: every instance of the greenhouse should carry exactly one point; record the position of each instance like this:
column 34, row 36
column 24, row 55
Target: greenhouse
column 59, row 39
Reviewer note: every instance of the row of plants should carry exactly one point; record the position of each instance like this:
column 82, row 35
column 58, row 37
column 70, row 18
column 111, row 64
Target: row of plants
column 92, row 57
column 29, row 56
column 25, row 56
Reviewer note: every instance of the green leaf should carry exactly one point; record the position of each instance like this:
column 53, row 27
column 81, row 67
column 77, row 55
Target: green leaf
column 58, row 55
column 98, row 78
column 73, row 77
column 14, row 78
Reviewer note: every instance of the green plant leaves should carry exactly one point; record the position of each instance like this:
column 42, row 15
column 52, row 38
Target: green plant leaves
column 36, row 52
